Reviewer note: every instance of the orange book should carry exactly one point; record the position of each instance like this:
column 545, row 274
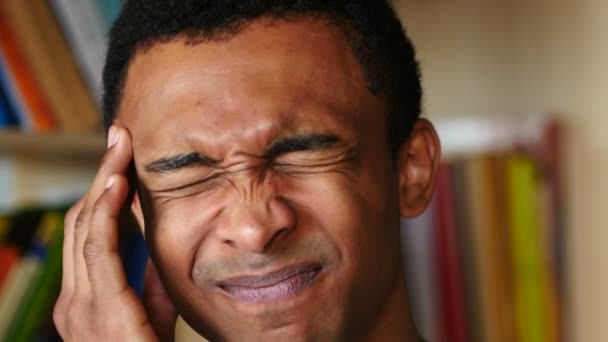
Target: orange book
column 488, row 215
column 38, row 110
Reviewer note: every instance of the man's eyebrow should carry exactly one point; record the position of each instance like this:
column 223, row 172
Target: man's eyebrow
column 302, row 142
column 180, row 161
column 292, row 143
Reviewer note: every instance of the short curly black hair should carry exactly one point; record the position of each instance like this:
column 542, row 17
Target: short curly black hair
column 372, row 28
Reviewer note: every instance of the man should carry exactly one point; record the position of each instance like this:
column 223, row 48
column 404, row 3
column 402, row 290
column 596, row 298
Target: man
column 276, row 145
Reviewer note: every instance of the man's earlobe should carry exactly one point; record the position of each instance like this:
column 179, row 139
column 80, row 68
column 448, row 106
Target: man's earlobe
column 418, row 161
column 138, row 212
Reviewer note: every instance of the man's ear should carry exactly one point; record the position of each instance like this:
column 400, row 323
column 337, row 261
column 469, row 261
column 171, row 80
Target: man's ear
column 418, row 162
column 138, row 212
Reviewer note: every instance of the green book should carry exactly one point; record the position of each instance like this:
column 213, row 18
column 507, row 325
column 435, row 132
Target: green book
column 37, row 302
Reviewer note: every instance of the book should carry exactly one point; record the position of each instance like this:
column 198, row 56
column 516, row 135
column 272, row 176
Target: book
column 18, row 236
column 25, row 96
column 7, row 118
column 486, row 197
column 452, row 314
column 85, row 30
column 14, row 289
column 551, row 157
column 526, row 249
column 37, row 301
column 35, row 28
column 11, row 110
column 466, row 250
column 21, row 275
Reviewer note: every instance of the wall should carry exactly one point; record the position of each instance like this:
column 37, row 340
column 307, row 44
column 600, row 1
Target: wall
column 520, row 58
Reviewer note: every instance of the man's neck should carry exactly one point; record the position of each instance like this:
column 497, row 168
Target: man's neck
column 394, row 322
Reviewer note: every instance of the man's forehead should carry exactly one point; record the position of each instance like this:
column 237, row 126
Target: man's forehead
column 263, row 47
column 263, row 76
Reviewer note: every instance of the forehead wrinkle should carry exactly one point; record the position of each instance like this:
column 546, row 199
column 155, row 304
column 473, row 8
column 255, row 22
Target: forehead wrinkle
column 248, row 138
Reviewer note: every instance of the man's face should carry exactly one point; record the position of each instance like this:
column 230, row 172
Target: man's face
column 269, row 193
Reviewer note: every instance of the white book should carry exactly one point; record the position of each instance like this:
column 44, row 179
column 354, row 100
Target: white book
column 85, row 31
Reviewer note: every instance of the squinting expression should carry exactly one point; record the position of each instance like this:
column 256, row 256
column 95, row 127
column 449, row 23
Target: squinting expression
column 269, row 193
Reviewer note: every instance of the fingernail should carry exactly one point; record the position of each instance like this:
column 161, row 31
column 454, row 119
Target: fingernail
column 110, row 182
column 112, row 137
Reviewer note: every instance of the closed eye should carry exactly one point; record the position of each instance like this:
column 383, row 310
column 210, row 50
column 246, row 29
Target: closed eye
column 200, row 185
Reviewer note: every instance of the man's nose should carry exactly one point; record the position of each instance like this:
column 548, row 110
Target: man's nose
column 253, row 226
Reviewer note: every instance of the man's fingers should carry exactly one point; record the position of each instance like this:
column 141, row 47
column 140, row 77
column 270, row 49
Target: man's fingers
column 68, row 276
column 100, row 250
column 115, row 162
column 160, row 308
column 67, row 280
column 95, row 301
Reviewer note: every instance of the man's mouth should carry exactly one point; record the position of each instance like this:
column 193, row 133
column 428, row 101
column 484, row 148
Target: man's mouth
column 271, row 287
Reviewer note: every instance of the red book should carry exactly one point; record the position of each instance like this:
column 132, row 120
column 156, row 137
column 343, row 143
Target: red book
column 9, row 255
column 452, row 310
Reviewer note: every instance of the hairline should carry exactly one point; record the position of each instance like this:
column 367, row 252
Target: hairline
column 231, row 30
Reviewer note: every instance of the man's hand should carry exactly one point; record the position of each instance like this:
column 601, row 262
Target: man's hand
column 96, row 302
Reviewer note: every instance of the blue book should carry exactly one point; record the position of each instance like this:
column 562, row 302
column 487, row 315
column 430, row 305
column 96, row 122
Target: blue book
column 12, row 112
column 7, row 116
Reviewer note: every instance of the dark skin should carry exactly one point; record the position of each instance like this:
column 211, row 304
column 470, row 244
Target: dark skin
column 267, row 193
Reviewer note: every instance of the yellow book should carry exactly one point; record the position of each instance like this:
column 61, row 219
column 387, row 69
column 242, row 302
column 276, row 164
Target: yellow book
column 524, row 213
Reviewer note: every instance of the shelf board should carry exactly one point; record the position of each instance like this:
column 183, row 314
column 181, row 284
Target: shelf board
column 52, row 146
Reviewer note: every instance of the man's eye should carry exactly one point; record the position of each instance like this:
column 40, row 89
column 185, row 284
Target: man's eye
column 198, row 186
column 296, row 167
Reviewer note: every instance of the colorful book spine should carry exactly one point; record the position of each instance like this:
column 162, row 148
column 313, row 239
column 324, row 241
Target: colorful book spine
column 34, row 26
column 11, row 101
column 466, row 250
column 25, row 97
column 85, row 30
column 451, row 292
column 526, row 250
column 7, row 118
column 14, row 289
column 37, row 301
column 486, row 198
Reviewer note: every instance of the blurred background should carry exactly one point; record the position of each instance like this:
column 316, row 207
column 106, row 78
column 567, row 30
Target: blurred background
column 528, row 59
column 512, row 246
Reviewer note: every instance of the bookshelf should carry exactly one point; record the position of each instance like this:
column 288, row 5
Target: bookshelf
column 69, row 147
column 51, row 56
column 520, row 57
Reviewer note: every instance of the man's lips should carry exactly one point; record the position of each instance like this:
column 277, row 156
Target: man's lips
column 271, row 287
